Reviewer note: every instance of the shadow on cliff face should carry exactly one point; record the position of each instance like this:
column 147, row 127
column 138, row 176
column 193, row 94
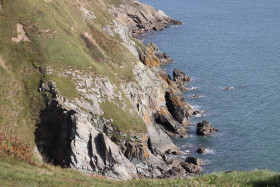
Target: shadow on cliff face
column 54, row 134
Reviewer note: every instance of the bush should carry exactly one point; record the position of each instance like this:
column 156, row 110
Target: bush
column 12, row 146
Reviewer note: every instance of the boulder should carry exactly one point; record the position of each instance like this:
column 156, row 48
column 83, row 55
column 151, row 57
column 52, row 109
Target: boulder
column 174, row 172
column 177, row 107
column 196, row 112
column 176, row 162
column 192, row 168
column 196, row 96
column 201, row 150
column 194, row 160
column 229, row 88
column 179, row 75
column 172, row 127
column 205, row 128
column 163, row 57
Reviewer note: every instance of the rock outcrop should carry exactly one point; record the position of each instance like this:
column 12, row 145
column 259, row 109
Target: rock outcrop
column 205, row 128
column 77, row 133
column 201, row 150
column 141, row 18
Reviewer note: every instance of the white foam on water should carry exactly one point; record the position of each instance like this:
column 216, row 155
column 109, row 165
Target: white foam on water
column 193, row 88
column 210, row 151
column 196, row 107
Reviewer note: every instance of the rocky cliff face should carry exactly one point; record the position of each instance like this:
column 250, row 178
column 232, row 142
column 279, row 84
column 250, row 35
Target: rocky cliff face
column 79, row 137
column 110, row 109
column 140, row 18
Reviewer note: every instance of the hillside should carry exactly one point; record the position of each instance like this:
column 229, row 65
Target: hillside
column 78, row 90
column 83, row 92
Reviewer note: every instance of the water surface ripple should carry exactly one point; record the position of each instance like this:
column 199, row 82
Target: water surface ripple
column 229, row 43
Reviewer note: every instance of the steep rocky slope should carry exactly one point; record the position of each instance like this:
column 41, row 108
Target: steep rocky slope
column 89, row 96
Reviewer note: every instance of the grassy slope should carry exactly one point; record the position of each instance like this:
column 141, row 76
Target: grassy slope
column 15, row 173
column 55, row 30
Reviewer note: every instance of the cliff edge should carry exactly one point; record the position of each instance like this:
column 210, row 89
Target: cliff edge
column 79, row 87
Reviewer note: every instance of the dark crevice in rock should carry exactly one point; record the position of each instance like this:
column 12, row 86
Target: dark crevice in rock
column 150, row 146
column 53, row 135
column 90, row 152
column 101, row 147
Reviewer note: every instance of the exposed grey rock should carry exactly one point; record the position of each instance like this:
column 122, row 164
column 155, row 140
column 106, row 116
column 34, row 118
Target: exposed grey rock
column 170, row 126
column 196, row 96
column 68, row 139
column 205, row 128
column 179, row 110
column 124, row 34
column 179, row 75
column 201, row 150
column 160, row 142
column 174, row 172
column 87, row 14
column 141, row 18
column 107, row 29
column 196, row 112
column 194, row 160
column 192, row 168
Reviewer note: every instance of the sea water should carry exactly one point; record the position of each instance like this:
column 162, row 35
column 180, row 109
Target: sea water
column 228, row 43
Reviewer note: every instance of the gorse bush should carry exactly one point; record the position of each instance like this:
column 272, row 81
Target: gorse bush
column 12, row 146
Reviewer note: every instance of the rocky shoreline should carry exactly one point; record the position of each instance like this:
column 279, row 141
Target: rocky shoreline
column 81, row 138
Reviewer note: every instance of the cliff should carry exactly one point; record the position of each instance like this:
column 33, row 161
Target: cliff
column 78, row 87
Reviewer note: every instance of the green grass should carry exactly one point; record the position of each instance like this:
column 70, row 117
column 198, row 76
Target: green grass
column 18, row 173
column 55, row 30
column 123, row 120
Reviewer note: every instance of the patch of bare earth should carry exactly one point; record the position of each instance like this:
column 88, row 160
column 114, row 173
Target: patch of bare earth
column 21, row 34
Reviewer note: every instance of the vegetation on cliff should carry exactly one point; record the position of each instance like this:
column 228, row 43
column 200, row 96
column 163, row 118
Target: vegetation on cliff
column 77, row 91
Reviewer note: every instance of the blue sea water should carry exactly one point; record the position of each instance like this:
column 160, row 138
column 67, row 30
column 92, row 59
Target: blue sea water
column 228, row 43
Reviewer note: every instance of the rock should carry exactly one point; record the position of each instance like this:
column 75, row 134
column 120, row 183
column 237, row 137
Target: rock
column 180, row 78
column 176, row 162
column 205, row 128
column 107, row 29
column 141, row 18
column 196, row 96
column 192, row 168
column 196, row 112
column 179, row 75
column 163, row 57
column 70, row 141
column 174, row 172
column 177, row 107
column 194, row 160
column 201, row 150
column 170, row 126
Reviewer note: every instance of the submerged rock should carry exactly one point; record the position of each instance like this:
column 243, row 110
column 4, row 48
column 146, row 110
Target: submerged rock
column 229, row 88
column 205, row 128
